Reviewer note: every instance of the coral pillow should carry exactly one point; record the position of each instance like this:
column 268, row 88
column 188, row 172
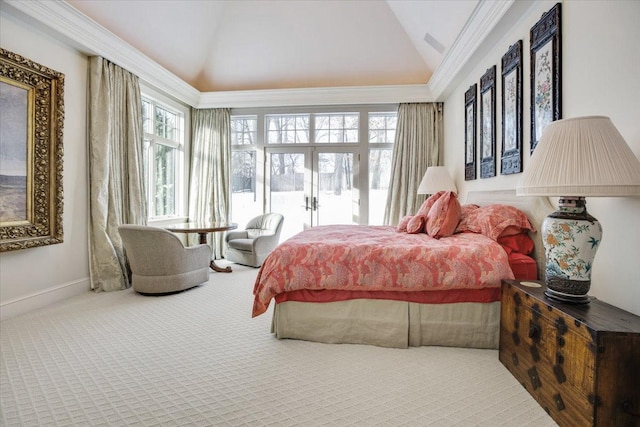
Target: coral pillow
column 518, row 243
column 443, row 216
column 416, row 224
column 523, row 267
column 424, row 209
column 404, row 221
column 495, row 221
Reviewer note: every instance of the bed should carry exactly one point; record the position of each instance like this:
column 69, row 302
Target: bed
column 461, row 309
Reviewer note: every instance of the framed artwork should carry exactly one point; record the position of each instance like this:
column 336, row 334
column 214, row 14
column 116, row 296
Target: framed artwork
column 488, row 123
column 31, row 125
column 511, row 158
column 546, row 75
column 470, row 133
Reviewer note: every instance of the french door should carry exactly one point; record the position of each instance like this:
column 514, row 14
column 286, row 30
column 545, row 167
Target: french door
column 311, row 186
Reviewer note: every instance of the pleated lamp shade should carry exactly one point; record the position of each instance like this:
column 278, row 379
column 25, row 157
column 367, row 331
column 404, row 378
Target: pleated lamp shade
column 584, row 157
column 436, row 178
column 577, row 158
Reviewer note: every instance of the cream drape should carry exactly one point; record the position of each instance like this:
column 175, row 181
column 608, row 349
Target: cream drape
column 419, row 135
column 209, row 195
column 116, row 183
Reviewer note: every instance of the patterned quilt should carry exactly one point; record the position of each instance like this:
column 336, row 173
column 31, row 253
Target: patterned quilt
column 378, row 258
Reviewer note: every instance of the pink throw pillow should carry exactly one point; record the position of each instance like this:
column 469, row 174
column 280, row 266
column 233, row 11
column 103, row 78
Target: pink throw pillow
column 402, row 225
column 443, row 216
column 416, row 224
column 424, row 209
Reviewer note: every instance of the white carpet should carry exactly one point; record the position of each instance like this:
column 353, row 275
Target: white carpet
column 198, row 358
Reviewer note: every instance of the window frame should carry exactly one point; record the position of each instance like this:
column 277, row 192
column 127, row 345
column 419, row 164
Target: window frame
column 183, row 149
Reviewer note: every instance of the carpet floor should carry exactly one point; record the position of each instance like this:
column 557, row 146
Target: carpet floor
column 197, row 358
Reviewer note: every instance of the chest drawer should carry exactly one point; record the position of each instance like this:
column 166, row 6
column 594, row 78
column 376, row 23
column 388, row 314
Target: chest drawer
column 581, row 363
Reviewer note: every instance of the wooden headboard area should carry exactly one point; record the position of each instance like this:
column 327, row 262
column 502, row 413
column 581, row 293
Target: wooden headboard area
column 536, row 208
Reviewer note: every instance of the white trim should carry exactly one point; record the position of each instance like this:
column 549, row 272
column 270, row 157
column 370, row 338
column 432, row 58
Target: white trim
column 93, row 39
column 485, row 17
column 391, row 94
column 43, row 298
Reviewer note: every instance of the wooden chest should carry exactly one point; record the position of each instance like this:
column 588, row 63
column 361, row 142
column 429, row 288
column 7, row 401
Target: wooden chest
column 580, row 362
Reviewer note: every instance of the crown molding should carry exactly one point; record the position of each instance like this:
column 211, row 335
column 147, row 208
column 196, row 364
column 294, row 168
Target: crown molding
column 92, row 39
column 80, row 31
column 484, row 18
column 316, row 96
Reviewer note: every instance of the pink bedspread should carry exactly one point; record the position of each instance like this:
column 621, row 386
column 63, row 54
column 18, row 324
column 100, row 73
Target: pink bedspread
column 378, row 258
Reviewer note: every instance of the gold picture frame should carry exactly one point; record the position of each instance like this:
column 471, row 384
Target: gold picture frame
column 31, row 126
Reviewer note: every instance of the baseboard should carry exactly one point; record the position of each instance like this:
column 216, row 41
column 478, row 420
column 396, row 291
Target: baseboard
column 43, row 298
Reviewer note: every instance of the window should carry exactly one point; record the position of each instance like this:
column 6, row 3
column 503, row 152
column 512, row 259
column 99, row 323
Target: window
column 382, row 132
column 244, row 130
column 288, row 129
column 337, row 127
column 283, row 157
column 244, row 192
column 382, row 127
column 163, row 159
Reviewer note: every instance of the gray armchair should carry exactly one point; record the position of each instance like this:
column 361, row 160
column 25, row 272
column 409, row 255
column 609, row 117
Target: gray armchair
column 160, row 263
column 252, row 245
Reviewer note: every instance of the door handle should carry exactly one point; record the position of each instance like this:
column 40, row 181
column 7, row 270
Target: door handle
column 306, row 203
column 315, row 203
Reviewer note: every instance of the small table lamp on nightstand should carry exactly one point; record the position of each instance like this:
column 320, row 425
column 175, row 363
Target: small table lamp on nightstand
column 577, row 158
column 436, row 178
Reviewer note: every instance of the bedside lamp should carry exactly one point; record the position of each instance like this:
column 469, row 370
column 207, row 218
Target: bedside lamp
column 435, row 179
column 577, row 158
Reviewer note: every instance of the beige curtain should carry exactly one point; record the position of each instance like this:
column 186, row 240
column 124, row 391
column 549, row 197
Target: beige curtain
column 116, row 184
column 209, row 195
column 419, row 135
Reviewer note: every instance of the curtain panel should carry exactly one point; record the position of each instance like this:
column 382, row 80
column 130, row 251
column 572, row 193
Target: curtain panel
column 210, row 183
column 116, row 183
column 419, row 135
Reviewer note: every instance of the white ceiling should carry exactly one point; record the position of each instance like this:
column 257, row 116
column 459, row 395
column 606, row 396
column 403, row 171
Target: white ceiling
column 228, row 45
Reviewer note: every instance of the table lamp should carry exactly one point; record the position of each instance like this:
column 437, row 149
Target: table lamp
column 577, row 158
column 435, row 179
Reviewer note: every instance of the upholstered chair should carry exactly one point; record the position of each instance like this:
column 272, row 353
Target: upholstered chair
column 160, row 263
column 252, row 245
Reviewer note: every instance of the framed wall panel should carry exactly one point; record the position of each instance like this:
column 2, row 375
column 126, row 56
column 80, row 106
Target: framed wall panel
column 511, row 157
column 488, row 123
column 546, row 73
column 470, row 109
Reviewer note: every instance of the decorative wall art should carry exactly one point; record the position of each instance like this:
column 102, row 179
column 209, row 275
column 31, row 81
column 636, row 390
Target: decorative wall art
column 488, row 123
column 511, row 158
column 31, row 125
column 546, row 75
column 470, row 133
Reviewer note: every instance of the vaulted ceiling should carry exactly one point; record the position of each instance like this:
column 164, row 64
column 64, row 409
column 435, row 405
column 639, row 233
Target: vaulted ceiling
column 228, row 45
column 264, row 53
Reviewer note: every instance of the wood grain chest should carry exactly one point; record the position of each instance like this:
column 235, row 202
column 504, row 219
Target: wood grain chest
column 580, row 362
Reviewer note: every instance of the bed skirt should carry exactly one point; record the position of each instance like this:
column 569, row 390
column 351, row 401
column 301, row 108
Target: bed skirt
column 386, row 323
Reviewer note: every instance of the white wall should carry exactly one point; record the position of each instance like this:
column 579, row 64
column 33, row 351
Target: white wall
column 35, row 277
column 601, row 76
